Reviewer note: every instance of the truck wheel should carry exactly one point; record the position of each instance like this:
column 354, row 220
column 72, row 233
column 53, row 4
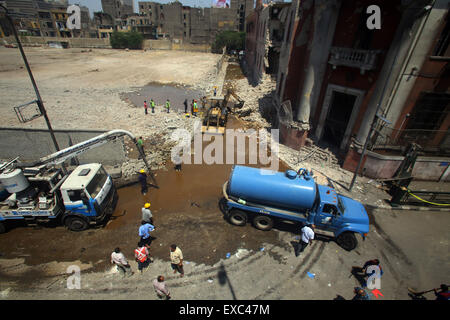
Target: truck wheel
column 76, row 224
column 263, row 223
column 2, row 227
column 347, row 241
column 223, row 205
column 238, row 217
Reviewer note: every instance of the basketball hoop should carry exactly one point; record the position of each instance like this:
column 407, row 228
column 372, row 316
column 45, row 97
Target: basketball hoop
column 28, row 111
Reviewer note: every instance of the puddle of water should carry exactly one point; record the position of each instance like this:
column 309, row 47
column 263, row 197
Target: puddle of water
column 160, row 93
column 194, row 188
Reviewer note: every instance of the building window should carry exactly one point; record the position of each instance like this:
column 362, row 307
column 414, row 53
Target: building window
column 442, row 44
column 430, row 111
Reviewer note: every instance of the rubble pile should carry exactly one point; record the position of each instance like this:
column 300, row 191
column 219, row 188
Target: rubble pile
column 257, row 99
column 156, row 130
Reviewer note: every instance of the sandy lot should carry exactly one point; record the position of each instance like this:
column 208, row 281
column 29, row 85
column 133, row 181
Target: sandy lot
column 81, row 88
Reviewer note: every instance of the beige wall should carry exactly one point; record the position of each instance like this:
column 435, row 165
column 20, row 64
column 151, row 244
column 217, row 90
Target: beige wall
column 104, row 43
column 73, row 42
column 172, row 45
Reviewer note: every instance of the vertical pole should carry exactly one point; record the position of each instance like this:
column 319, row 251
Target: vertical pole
column 33, row 82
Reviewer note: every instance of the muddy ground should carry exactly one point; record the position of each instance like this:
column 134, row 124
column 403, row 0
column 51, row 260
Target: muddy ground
column 92, row 92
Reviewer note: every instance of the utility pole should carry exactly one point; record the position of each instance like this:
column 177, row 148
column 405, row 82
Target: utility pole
column 38, row 96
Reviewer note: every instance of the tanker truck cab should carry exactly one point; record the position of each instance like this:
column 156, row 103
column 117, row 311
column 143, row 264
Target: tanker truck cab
column 253, row 195
column 341, row 215
column 88, row 195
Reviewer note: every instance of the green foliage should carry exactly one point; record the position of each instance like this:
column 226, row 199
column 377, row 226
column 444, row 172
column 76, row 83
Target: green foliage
column 233, row 40
column 122, row 40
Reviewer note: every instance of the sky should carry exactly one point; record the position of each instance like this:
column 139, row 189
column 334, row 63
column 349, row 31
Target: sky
column 96, row 5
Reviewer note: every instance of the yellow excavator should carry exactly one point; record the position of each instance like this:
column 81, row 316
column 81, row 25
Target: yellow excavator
column 216, row 116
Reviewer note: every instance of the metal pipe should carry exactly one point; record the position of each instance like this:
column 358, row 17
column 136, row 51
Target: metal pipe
column 372, row 126
column 406, row 62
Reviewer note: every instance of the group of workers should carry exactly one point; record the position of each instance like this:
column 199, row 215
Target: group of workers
column 194, row 106
column 152, row 106
column 144, row 258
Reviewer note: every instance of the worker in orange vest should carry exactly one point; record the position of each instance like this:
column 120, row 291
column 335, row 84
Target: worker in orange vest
column 195, row 108
column 142, row 256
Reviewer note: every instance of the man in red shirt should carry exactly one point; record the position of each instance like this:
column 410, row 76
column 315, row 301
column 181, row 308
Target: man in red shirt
column 443, row 294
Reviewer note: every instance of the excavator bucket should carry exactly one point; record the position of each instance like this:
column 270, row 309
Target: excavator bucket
column 213, row 130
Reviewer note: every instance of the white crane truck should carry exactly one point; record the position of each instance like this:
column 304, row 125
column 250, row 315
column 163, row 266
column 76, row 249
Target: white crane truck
column 41, row 192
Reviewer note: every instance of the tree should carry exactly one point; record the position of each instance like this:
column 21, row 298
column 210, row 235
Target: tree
column 122, row 40
column 233, row 40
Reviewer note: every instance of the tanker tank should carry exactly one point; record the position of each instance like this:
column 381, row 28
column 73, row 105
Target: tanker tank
column 285, row 190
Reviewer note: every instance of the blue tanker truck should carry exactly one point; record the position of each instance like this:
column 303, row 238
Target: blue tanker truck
column 263, row 196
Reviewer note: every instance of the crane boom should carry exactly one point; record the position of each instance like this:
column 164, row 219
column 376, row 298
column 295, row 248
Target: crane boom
column 77, row 149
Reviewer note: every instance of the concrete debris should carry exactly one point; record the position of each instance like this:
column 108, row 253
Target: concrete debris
column 258, row 101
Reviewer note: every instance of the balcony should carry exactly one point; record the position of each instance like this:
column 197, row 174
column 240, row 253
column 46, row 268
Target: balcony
column 355, row 58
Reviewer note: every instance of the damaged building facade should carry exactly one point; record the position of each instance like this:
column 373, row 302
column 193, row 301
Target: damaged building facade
column 264, row 37
column 44, row 18
column 194, row 25
column 336, row 74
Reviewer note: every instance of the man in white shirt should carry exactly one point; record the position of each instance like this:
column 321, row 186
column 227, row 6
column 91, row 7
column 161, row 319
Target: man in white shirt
column 121, row 262
column 306, row 238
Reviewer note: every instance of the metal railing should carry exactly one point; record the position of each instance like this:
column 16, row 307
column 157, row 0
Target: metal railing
column 430, row 141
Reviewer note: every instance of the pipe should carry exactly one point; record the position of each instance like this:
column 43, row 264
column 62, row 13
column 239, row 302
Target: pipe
column 406, row 63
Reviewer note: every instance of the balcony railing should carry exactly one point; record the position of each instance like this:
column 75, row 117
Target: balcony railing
column 431, row 141
column 355, row 58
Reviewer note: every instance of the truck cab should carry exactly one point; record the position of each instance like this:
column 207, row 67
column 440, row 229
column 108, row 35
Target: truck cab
column 328, row 215
column 88, row 195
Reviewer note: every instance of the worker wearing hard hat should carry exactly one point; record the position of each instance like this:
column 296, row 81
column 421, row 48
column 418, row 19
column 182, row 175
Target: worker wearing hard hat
column 194, row 108
column 143, row 181
column 147, row 214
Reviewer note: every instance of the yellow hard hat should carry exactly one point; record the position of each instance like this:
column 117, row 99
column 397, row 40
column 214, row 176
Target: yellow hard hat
column 147, row 205
column 142, row 171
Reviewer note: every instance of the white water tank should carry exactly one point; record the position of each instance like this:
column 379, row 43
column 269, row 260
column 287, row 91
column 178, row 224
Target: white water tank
column 14, row 181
